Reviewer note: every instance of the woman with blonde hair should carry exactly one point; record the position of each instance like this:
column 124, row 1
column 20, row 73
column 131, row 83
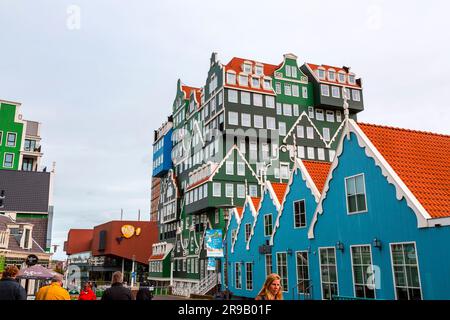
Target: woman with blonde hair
column 271, row 289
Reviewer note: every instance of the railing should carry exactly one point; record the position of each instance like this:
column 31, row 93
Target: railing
column 306, row 292
column 4, row 239
column 206, row 284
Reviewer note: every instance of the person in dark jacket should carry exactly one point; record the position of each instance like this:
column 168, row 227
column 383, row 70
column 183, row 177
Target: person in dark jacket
column 144, row 293
column 117, row 290
column 10, row 289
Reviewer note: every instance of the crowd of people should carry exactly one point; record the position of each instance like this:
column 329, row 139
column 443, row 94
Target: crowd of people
column 10, row 289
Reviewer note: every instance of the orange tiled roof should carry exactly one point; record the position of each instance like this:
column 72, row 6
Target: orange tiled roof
column 157, row 257
column 280, row 190
column 235, row 64
column 187, row 90
column 240, row 210
column 421, row 160
column 318, row 172
column 256, row 202
column 314, row 68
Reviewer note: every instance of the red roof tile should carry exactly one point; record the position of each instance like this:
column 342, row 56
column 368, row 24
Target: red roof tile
column 314, row 68
column 157, row 257
column 421, row 160
column 235, row 64
column 280, row 190
column 240, row 210
column 318, row 172
column 256, row 202
column 187, row 90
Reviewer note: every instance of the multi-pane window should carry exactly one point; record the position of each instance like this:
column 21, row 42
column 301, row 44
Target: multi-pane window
column 258, row 121
column 270, row 121
column 321, row 153
column 240, row 190
column 295, row 91
column 267, row 84
column 338, row 116
column 300, row 131
column 243, row 80
column 282, row 128
column 248, row 229
column 267, row 225
column 282, row 270
column 356, row 96
column 321, row 73
column 270, row 102
column 246, row 120
column 288, row 71
column 229, row 167
column 341, row 77
column 287, row 89
column 406, row 271
column 310, row 132
column 253, row 190
column 330, row 116
column 287, row 109
column 325, row 90
column 326, row 134
column 356, row 194
column 305, row 92
column 268, row 263
column 319, row 114
column 331, row 154
column 8, row 160
column 303, row 272
column 279, row 109
column 242, row 146
column 301, row 152
column 296, row 110
column 249, row 276
column 311, row 112
column 232, row 96
column 233, row 118
column 11, row 139
column 335, row 92
column 284, row 171
column 245, row 97
column 255, row 82
column 351, row 78
column 331, row 75
column 30, row 145
column 217, row 189
column 362, row 272
column 259, row 70
column 311, row 153
column 253, row 147
column 278, row 87
column 257, row 100
column 229, row 190
column 299, row 214
column 328, row 272
column 241, row 169
column 237, row 274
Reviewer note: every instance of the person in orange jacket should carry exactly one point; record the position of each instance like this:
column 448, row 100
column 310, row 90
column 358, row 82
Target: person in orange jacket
column 54, row 291
column 87, row 293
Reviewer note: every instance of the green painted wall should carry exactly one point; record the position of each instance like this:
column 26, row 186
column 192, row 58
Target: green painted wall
column 8, row 124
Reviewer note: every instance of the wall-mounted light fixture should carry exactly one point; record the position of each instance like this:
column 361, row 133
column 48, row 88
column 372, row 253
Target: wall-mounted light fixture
column 340, row 246
column 376, row 243
column 289, row 252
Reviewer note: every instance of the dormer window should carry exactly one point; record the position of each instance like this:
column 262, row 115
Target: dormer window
column 351, row 78
column 259, row 70
column 243, row 80
column 331, row 75
column 26, row 242
column 247, row 67
column 231, row 78
column 255, row 82
column 267, row 84
column 321, row 74
column 341, row 77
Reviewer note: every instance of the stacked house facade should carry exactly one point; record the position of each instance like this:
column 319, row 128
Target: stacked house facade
column 26, row 189
column 244, row 128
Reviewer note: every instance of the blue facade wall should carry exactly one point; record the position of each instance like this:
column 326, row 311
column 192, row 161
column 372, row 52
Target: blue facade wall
column 386, row 219
column 166, row 152
column 287, row 237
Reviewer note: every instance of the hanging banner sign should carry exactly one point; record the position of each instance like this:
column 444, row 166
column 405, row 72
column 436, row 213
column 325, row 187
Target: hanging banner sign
column 213, row 240
column 211, row 264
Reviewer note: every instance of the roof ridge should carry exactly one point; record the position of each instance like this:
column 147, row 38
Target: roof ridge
column 315, row 161
column 252, row 60
column 403, row 129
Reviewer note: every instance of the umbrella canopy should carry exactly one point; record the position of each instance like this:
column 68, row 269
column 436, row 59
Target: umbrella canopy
column 36, row 272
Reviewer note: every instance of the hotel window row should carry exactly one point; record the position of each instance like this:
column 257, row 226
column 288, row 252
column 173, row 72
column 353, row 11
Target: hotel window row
column 248, row 98
column 331, row 76
column 256, row 82
column 310, row 153
column 291, row 90
column 230, row 190
column 336, row 92
column 197, row 194
column 329, row 115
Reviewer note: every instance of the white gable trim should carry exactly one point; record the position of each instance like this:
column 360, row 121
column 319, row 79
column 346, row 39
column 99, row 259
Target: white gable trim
column 257, row 213
column 306, row 177
column 402, row 191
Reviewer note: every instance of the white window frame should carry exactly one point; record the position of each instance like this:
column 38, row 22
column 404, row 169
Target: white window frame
column 4, row 160
column 247, row 286
column 258, row 121
column 356, row 95
column 235, row 116
column 246, row 120
column 257, row 99
column 270, row 102
column 309, row 273
column 365, row 193
column 319, row 115
column 227, row 189
column 266, row 225
column 353, row 272
column 217, row 189
column 243, row 80
column 320, row 271
column 325, row 90
column 240, row 190
column 335, row 92
column 232, row 96
column 293, row 215
column 326, row 134
column 320, row 153
column 229, row 167
column 241, row 169
column 310, row 133
column 287, row 270
column 246, row 98
column 311, row 153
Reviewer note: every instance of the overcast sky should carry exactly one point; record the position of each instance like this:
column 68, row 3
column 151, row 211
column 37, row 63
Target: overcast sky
column 101, row 76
